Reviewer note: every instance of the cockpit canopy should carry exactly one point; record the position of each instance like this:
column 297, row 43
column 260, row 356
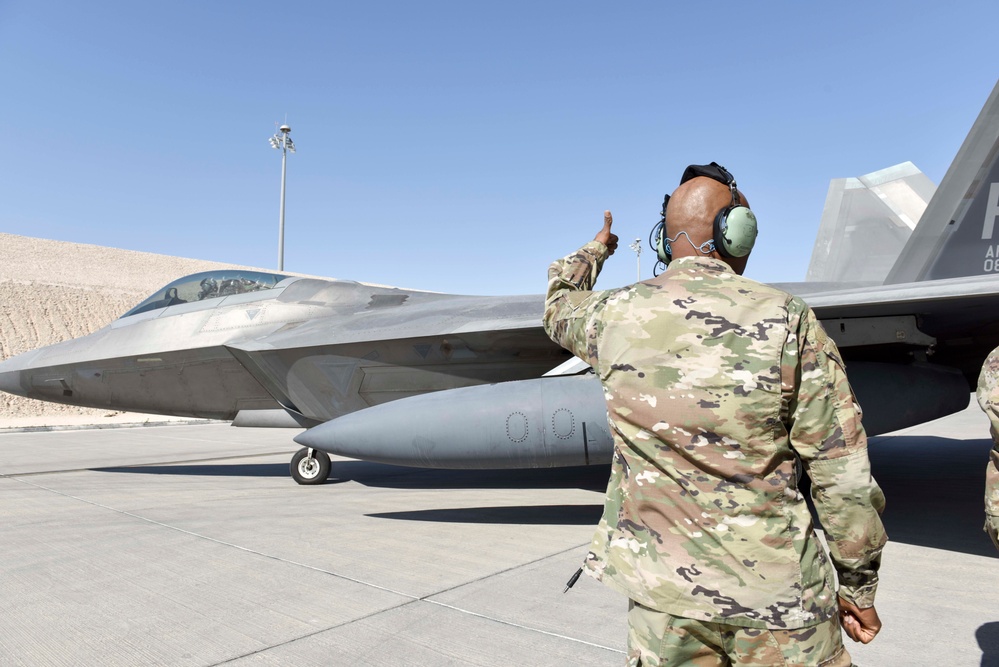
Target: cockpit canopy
column 208, row 285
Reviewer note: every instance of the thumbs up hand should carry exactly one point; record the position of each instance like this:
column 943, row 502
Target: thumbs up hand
column 605, row 235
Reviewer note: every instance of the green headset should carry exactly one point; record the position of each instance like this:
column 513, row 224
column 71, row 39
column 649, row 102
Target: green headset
column 734, row 226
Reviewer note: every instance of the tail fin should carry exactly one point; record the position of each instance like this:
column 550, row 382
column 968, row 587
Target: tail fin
column 866, row 223
column 958, row 234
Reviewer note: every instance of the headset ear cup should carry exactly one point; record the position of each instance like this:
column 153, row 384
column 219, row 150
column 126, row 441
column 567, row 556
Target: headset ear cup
column 661, row 248
column 735, row 231
column 720, row 229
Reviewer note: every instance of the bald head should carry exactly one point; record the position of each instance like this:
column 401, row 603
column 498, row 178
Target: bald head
column 692, row 209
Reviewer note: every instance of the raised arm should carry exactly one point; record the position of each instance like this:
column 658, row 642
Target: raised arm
column 570, row 305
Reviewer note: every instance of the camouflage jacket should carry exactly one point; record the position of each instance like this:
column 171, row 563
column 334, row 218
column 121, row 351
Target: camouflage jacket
column 713, row 383
column 988, row 399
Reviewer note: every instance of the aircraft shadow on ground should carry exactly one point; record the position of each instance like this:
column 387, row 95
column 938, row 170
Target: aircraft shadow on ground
column 934, row 489
column 593, row 478
column 204, row 469
column 556, row 515
column 387, row 476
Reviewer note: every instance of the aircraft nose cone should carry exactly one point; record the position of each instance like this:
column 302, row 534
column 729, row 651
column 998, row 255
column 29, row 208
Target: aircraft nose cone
column 10, row 381
column 10, row 373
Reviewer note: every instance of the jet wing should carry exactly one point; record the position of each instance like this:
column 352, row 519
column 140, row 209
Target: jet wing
column 329, row 367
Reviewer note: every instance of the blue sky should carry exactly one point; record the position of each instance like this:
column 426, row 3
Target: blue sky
column 461, row 146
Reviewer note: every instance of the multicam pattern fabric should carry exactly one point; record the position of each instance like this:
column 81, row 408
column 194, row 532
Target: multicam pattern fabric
column 713, row 382
column 988, row 399
column 656, row 639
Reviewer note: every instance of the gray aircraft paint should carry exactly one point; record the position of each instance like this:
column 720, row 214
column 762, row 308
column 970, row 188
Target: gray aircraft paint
column 957, row 234
column 558, row 421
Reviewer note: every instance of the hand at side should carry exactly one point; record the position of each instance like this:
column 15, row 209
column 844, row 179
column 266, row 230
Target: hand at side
column 862, row 625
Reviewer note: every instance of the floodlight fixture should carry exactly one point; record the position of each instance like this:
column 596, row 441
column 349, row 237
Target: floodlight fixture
column 282, row 142
column 637, row 247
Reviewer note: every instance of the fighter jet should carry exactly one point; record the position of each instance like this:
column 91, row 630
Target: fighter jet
column 436, row 380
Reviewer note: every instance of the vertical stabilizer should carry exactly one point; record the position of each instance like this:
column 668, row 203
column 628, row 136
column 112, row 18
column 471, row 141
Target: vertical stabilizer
column 866, row 223
column 958, row 234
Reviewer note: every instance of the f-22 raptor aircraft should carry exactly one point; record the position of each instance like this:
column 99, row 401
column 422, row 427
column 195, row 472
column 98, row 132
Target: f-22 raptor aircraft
column 436, row 380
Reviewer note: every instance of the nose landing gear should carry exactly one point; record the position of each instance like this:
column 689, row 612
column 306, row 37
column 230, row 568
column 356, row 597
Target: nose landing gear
column 310, row 466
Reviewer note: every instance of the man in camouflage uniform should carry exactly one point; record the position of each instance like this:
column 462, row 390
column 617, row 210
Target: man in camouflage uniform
column 713, row 384
column 988, row 399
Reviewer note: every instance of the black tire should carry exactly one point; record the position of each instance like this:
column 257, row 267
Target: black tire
column 310, row 471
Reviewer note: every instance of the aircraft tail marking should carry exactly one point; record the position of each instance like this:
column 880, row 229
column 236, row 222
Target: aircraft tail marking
column 957, row 235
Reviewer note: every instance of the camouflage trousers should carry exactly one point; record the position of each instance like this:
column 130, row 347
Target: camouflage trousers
column 657, row 639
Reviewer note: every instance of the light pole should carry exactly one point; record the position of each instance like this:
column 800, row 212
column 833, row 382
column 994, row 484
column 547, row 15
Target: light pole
column 282, row 141
column 637, row 247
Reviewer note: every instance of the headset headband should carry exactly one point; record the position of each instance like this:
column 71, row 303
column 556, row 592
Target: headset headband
column 713, row 171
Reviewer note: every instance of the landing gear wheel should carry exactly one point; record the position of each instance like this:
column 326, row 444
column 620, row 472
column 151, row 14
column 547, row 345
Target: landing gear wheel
column 310, row 466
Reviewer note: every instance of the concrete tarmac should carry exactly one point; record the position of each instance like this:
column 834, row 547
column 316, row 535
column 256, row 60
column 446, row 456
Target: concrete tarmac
column 191, row 545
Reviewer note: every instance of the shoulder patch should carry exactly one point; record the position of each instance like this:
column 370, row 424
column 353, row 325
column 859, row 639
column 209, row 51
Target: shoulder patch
column 821, row 337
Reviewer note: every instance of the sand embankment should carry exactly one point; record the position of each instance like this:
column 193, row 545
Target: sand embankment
column 52, row 291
